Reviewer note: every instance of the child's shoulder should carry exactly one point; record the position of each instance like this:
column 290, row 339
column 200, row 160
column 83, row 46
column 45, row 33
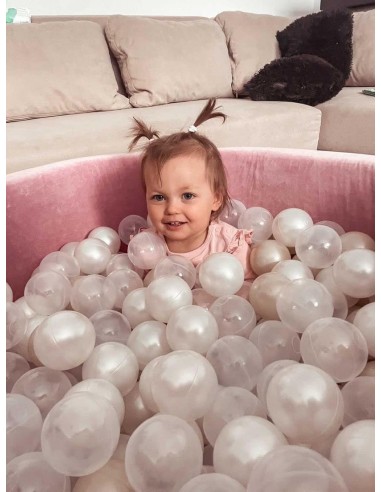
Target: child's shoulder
column 230, row 234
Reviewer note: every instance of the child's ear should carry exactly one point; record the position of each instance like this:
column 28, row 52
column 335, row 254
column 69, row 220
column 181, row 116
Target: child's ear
column 217, row 202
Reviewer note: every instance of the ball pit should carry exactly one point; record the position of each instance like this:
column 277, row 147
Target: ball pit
column 208, row 401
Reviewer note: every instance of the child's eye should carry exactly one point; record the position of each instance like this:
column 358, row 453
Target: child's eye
column 188, row 196
column 157, row 198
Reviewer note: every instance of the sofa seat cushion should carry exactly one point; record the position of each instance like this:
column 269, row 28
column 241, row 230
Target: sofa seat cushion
column 248, row 124
column 348, row 122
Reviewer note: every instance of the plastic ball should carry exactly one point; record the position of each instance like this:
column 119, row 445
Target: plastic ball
column 121, row 261
column 166, row 294
column 365, row 321
column 149, row 278
column 110, row 478
column 102, row 388
column 358, row 396
column 16, row 324
column 47, row 292
column 93, row 293
column 114, row 362
column 340, row 303
column 202, row 298
column 110, row 326
column 295, row 468
column 221, row 274
column 244, row 290
column 145, row 384
column 16, row 366
column 241, row 443
column 303, row 301
column 354, row 272
column 336, row 346
column 357, row 240
column 305, row 403
column 236, row 360
column 275, row 342
column 266, row 255
column 25, row 346
column 120, row 450
column 352, row 454
column 92, row 255
column 234, row 316
column 80, row 434
column 230, row 403
column 24, row 424
column 232, row 212
column 134, row 307
column 176, row 265
column 259, row 220
column 44, row 386
column 333, row 225
column 108, row 236
column 136, row 411
column 32, row 472
column 184, row 383
column 64, row 340
column 192, row 328
column 212, row 482
column 9, row 292
column 162, row 454
column 293, row 269
column 28, row 311
column 125, row 281
column 369, row 369
column 60, row 262
column 264, row 292
column 147, row 341
column 289, row 223
column 130, row 227
column 318, row 246
column 69, row 248
column 146, row 249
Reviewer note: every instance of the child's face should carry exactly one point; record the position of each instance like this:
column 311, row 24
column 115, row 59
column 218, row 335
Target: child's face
column 181, row 203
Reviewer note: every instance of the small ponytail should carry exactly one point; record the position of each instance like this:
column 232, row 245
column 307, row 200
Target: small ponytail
column 140, row 130
column 208, row 112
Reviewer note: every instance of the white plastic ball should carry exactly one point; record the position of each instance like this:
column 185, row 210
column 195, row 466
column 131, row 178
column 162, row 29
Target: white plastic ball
column 354, row 272
column 146, row 249
column 359, row 399
column 176, row 265
column 92, row 255
column 121, row 261
column 134, row 307
column 293, row 269
column 108, row 236
column 125, row 281
column 147, row 341
column 334, row 225
column 365, row 321
column 318, row 246
column 264, row 293
column 212, row 482
column 69, row 248
column 289, row 223
column 110, row 478
column 265, row 255
column 16, row 366
column 9, row 292
column 221, row 274
column 357, row 240
column 202, row 298
column 16, row 324
column 60, row 262
column 234, row 316
column 136, row 411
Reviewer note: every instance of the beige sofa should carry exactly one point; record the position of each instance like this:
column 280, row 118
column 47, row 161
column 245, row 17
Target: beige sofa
column 74, row 85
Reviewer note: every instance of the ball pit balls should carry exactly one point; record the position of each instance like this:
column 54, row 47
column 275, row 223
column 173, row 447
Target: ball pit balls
column 232, row 212
column 146, row 249
column 259, row 220
column 221, row 274
column 109, row 236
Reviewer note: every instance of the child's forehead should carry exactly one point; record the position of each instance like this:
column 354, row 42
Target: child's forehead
column 181, row 170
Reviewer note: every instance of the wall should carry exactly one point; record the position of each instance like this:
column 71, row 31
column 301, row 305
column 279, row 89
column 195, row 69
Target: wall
column 208, row 8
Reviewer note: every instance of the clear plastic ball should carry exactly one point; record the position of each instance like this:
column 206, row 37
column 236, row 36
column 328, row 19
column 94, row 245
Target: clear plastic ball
column 221, row 274
column 336, row 346
column 297, row 469
column 108, row 236
column 149, row 278
column 259, row 220
column 293, row 269
column 136, row 411
column 176, row 265
column 16, row 324
column 44, row 386
column 166, row 294
column 230, row 403
column 93, row 293
column 92, row 255
column 365, row 321
column 162, row 454
column 16, row 366
column 125, row 281
column 64, row 340
column 243, row 442
column 114, row 362
column 305, row 403
column 212, row 482
column 80, row 434
column 134, row 307
column 184, row 383
column 264, row 292
column 288, row 225
column 232, row 212
column 234, row 316
column 192, row 328
column 359, row 399
column 60, row 262
column 47, row 292
column 24, row 424
column 9, row 292
column 121, row 261
column 110, row 478
column 354, row 273
column 275, row 342
column 340, row 303
column 25, row 346
column 69, row 248
column 145, row 384
column 352, row 454
column 146, row 249
column 110, row 326
column 236, row 360
column 266, row 255
column 333, row 225
column 102, row 388
column 147, row 341
column 202, row 298
column 303, row 301
column 31, row 471
column 318, row 246
column 357, row 240
column 28, row 311
column 130, row 227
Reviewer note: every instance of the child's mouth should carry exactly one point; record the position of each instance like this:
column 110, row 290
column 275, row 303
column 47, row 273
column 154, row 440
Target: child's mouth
column 174, row 224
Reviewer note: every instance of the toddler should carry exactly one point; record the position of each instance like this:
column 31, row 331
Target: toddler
column 186, row 190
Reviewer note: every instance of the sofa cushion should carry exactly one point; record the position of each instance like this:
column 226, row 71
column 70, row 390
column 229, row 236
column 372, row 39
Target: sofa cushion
column 166, row 61
column 59, row 68
column 348, row 122
column 251, row 41
column 248, row 124
column 363, row 64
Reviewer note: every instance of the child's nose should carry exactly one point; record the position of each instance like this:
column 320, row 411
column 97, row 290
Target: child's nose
column 172, row 207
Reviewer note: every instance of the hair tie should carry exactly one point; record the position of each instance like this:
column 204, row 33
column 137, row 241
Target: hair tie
column 192, row 129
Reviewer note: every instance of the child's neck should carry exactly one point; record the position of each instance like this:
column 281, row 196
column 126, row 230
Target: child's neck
column 185, row 246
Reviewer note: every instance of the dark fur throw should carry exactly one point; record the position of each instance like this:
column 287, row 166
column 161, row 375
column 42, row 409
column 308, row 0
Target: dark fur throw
column 305, row 79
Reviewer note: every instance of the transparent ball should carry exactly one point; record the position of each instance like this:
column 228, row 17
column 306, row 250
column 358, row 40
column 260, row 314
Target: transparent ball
column 318, row 246
column 166, row 294
column 333, row 225
column 259, row 220
column 264, row 292
column 232, row 212
column 121, row 261
column 25, row 346
column 354, row 272
column 134, row 307
column 47, row 292
column 176, row 265
column 293, row 269
column 108, row 236
column 336, row 346
column 16, row 366
column 365, row 321
column 136, row 411
column 267, row 254
column 357, row 240
column 130, row 227
column 60, row 262
column 202, row 298
column 64, row 340
column 236, row 360
column 212, row 482
column 110, row 326
column 340, row 302
column 69, row 248
column 28, row 311
column 110, row 478
column 288, row 225
column 359, row 399
column 146, row 249
column 92, row 255
column 16, row 325
column 221, row 274
column 192, row 328
column 93, row 293
column 125, row 281
column 80, row 434
column 234, row 316
column 162, row 454
column 149, row 278
column 147, row 341
column 9, row 292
